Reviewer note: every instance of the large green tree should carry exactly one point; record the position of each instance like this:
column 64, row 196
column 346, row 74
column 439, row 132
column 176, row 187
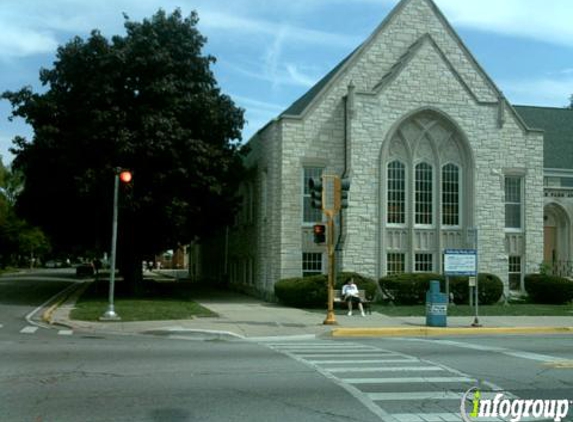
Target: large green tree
column 147, row 101
column 19, row 241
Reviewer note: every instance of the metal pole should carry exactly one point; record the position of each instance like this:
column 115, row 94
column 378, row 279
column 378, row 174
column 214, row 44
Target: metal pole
column 330, row 317
column 110, row 313
column 476, row 288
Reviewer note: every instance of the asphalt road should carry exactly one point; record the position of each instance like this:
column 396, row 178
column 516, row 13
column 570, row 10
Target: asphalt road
column 50, row 375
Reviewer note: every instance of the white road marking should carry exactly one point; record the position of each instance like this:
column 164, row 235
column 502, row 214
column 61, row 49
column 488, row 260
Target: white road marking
column 502, row 350
column 351, row 361
column 354, row 355
column 417, row 396
column 336, row 360
column 65, row 332
column 404, row 380
column 388, row 369
column 28, row 330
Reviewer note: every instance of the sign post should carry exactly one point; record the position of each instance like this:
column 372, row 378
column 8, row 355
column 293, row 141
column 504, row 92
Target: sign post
column 460, row 262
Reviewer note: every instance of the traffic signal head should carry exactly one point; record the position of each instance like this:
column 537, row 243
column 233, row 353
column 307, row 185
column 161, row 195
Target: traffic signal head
column 319, row 231
column 125, row 176
column 344, row 188
column 315, row 187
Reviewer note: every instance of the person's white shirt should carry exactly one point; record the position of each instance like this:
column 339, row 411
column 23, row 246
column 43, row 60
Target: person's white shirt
column 350, row 290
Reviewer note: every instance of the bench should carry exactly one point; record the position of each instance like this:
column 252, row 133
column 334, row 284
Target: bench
column 338, row 299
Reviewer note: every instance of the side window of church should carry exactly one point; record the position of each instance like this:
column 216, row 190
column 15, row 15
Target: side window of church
column 513, row 202
column 310, row 215
column 311, row 263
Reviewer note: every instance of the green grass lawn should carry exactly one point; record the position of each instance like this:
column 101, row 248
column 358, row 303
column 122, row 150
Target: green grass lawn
column 156, row 301
column 526, row 309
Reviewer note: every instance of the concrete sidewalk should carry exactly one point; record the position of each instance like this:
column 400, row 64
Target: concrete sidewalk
column 241, row 316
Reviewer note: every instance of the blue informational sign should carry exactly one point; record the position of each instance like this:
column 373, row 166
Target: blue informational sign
column 460, row 262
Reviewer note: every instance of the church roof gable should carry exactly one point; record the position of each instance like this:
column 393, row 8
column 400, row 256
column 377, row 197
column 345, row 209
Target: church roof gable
column 301, row 105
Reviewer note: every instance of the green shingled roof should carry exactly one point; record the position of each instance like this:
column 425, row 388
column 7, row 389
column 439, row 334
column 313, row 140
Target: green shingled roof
column 558, row 126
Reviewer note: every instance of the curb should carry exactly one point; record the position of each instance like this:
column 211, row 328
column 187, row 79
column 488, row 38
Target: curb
column 72, row 295
column 436, row 331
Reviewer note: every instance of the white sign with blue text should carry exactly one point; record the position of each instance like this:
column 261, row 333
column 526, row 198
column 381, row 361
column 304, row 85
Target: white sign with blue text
column 460, row 262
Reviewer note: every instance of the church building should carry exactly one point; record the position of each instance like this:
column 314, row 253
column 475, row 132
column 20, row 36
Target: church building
column 434, row 153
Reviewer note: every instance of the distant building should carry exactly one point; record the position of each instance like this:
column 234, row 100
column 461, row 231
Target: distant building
column 432, row 148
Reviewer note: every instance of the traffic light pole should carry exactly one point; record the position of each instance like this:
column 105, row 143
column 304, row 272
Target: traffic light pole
column 330, row 317
column 110, row 314
column 330, row 194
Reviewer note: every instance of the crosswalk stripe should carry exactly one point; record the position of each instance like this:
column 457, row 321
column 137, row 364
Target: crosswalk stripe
column 354, row 361
column 403, row 380
column 65, row 332
column 29, row 330
column 427, row 417
column 419, row 395
column 354, row 355
column 388, row 369
column 1, row 326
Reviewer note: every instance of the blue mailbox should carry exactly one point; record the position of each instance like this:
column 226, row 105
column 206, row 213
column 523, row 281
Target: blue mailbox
column 436, row 306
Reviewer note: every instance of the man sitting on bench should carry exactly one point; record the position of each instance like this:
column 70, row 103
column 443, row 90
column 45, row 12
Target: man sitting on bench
column 351, row 295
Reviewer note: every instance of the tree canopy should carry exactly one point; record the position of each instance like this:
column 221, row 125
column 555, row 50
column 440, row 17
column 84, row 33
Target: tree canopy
column 146, row 101
column 20, row 243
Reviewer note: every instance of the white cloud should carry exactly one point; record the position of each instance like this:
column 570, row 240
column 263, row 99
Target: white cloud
column 548, row 21
column 249, row 26
column 544, row 91
column 299, row 77
column 287, row 74
column 22, row 42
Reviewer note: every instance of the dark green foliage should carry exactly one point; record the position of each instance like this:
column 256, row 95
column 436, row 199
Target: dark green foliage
column 489, row 285
column 147, row 101
column 309, row 292
column 548, row 289
column 304, row 292
column 409, row 288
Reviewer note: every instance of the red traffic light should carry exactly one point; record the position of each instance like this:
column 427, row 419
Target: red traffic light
column 125, row 176
column 319, row 231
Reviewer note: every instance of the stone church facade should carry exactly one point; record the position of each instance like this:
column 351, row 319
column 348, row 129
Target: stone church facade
column 434, row 152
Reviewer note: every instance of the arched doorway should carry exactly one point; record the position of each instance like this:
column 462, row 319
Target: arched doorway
column 556, row 239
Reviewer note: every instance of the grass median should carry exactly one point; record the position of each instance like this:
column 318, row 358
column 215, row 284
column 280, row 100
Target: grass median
column 155, row 301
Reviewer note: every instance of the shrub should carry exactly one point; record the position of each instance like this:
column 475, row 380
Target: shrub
column 309, row 292
column 303, row 291
column 489, row 285
column 409, row 288
column 544, row 288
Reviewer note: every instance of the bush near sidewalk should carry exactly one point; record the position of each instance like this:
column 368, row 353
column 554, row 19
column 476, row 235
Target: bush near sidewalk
column 156, row 301
column 544, row 288
column 311, row 292
column 411, row 288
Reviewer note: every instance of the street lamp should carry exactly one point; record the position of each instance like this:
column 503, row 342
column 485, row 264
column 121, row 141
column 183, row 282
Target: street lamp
column 125, row 176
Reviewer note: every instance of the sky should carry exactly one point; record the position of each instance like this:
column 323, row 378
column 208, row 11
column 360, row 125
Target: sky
column 270, row 52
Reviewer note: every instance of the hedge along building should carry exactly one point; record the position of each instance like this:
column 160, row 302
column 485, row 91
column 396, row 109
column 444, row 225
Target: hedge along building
column 432, row 149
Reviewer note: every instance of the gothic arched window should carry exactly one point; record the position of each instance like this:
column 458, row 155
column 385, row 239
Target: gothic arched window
column 396, row 211
column 450, row 195
column 424, row 194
